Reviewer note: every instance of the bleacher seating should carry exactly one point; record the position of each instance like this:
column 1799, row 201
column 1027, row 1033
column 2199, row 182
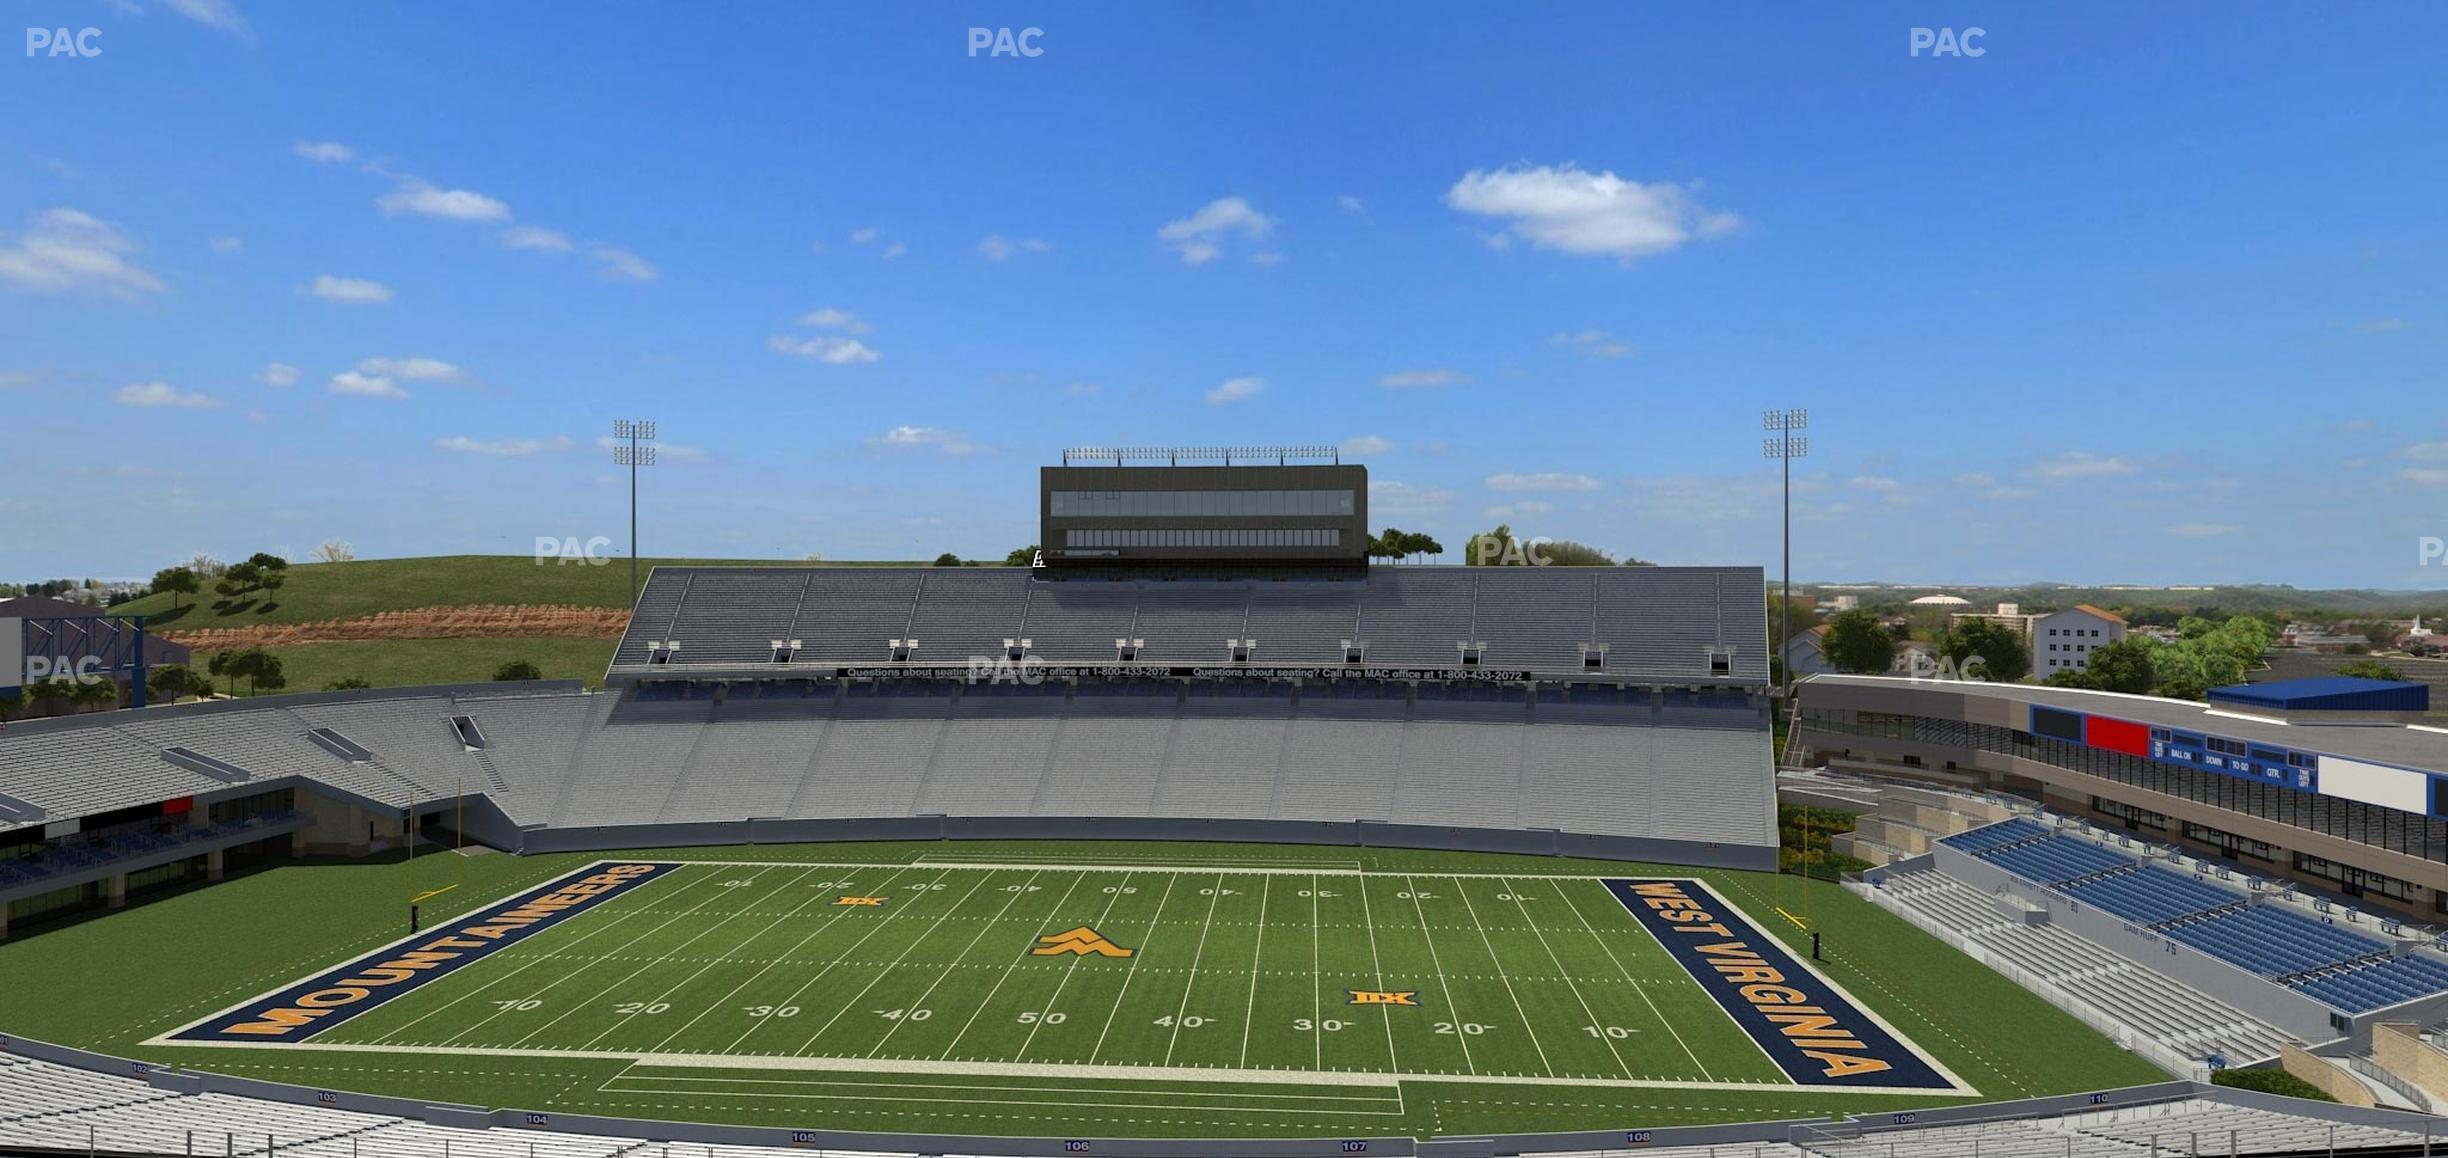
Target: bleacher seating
column 2055, row 858
column 1987, row 837
column 2151, row 895
column 2272, row 941
column 2377, row 984
column 2176, row 1015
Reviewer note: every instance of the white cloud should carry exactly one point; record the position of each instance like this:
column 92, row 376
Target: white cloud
column 2202, row 530
column 1235, row 390
column 227, row 244
column 2380, row 326
column 1412, row 379
column 328, row 152
column 414, row 196
column 1550, row 481
column 1400, row 500
column 617, row 264
column 1516, row 510
column 832, row 351
column 66, row 250
column 536, row 237
column 665, row 452
column 163, row 394
column 830, row 318
column 1351, row 204
column 2426, row 452
column 2079, row 464
column 1266, row 257
column 365, row 385
column 927, row 438
column 1198, row 237
column 501, row 447
column 2427, row 476
column 1081, row 389
column 1590, row 343
column 894, row 251
column 2008, row 494
column 278, row 374
column 1367, row 444
column 412, row 369
column 351, row 290
column 219, row 14
column 866, row 236
column 996, row 247
column 1574, row 211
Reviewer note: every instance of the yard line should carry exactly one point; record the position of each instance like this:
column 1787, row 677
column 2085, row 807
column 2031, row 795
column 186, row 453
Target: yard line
column 1076, row 880
column 717, row 959
column 1507, row 979
column 821, row 974
column 1368, row 917
column 1436, row 962
column 1251, row 1014
column 616, row 920
column 1067, row 972
column 1132, row 973
column 1317, row 997
column 818, row 931
column 1215, row 892
column 1567, row 974
column 1634, row 982
column 895, row 963
column 983, row 928
column 726, row 919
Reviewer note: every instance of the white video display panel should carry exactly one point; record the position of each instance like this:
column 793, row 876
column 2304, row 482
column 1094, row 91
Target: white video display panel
column 2375, row 784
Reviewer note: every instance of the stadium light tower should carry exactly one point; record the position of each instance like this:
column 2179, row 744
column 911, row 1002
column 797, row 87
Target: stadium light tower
column 1785, row 447
column 630, row 449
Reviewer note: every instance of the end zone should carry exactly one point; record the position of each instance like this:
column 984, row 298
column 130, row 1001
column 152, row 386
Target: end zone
column 304, row 1008
column 1812, row 1029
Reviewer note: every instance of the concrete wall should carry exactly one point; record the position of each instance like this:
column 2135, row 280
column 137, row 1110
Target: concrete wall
column 2398, row 1047
column 2325, row 1077
column 1357, row 833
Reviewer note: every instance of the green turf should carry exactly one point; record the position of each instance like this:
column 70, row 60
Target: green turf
column 694, row 966
column 394, row 663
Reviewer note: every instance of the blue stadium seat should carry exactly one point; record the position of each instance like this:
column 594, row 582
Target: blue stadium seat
column 2057, row 858
column 2274, row 942
column 2151, row 895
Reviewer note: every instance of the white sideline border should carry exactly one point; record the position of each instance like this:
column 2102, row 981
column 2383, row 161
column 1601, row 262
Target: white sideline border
column 1140, row 1072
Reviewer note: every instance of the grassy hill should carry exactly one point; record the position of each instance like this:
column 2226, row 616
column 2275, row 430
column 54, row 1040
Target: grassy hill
column 326, row 592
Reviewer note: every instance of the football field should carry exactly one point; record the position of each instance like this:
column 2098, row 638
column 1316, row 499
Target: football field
column 1297, row 988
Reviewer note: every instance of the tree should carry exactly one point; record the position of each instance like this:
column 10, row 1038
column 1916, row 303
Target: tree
column 1021, row 556
column 1386, row 545
column 172, row 680
column 334, row 551
column 221, row 665
column 261, row 669
column 1857, row 642
column 2072, row 677
column 2124, row 666
column 1567, row 553
column 95, row 693
column 347, row 683
column 177, row 581
column 265, row 562
column 517, row 669
column 947, row 559
column 51, row 693
column 272, row 580
column 1999, row 650
column 2369, row 669
column 1408, row 544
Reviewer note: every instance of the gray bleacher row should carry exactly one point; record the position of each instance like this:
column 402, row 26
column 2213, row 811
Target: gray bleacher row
column 2157, row 1006
column 1482, row 766
column 1700, row 774
column 1653, row 621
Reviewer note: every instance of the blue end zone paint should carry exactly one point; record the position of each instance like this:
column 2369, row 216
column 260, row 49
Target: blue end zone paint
column 1813, row 1033
column 317, row 1003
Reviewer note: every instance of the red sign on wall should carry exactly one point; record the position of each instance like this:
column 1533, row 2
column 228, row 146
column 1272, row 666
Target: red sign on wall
column 2116, row 735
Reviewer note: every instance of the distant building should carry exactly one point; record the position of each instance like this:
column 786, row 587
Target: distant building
column 2060, row 640
column 2307, row 637
column 1841, row 603
column 1806, row 653
column 1942, row 601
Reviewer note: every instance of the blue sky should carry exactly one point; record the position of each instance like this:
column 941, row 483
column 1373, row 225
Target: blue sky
column 2143, row 295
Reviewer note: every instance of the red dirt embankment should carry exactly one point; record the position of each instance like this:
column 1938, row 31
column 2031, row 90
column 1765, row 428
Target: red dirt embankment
column 478, row 622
